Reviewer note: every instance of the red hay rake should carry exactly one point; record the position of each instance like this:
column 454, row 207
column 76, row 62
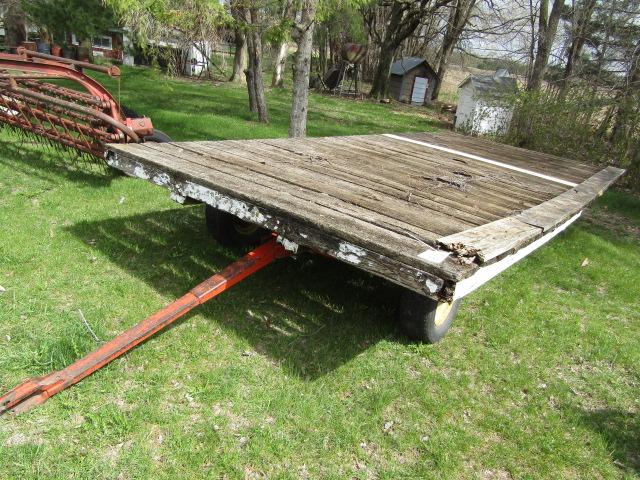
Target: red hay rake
column 83, row 118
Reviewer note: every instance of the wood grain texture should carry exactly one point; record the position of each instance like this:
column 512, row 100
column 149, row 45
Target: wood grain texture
column 494, row 240
column 390, row 200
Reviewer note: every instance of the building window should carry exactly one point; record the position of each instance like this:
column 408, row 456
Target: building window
column 102, row 42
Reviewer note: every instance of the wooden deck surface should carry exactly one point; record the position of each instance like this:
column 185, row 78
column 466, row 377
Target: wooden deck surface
column 380, row 201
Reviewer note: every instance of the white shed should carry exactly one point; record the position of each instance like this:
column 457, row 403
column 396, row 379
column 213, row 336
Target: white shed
column 485, row 103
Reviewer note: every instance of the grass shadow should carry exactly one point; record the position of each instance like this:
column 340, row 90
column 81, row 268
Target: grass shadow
column 309, row 315
column 23, row 155
column 621, row 433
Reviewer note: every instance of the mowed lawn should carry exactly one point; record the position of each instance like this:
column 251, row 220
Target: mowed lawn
column 300, row 371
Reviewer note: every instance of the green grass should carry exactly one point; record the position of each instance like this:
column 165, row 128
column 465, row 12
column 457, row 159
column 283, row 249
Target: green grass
column 300, row 372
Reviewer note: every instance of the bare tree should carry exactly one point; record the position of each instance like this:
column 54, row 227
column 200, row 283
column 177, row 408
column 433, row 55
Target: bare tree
column 547, row 28
column 580, row 24
column 240, row 54
column 255, row 82
column 303, row 36
column 459, row 15
column 281, row 46
column 404, row 18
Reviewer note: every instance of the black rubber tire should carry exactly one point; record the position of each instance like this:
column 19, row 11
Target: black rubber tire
column 158, row 136
column 420, row 320
column 230, row 231
column 129, row 112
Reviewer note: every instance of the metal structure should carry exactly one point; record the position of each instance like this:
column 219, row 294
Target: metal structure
column 52, row 99
column 37, row 390
column 344, row 79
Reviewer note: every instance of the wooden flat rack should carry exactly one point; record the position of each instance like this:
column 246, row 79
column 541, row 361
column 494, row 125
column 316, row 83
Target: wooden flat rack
column 437, row 213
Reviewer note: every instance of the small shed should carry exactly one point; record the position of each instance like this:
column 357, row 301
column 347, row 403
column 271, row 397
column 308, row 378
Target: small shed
column 485, row 103
column 412, row 81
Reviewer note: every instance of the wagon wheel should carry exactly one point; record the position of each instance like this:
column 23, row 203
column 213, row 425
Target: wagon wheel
column 230, row 231
column 158, row 136
column 426, row 320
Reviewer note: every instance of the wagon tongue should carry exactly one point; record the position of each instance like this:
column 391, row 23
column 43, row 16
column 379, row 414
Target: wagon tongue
column 82, row 115
column 36, row 391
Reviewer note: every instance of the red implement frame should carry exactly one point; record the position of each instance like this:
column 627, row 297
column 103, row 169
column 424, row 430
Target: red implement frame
column 37, row 390
column 84, row 120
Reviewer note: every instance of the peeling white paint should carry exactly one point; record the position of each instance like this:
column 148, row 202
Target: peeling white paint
column 434, row 256
column 217, row 200
column 288, row 245
column 176, row 197
column 140, row 172
column 161, row 179
column 431, row 286
column 350, row 253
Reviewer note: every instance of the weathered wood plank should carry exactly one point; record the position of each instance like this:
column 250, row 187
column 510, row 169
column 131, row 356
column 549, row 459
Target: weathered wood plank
column 551, row 213
column 408, row 276
column 489, row 242
column 337, row 191
column 371, row 164
column 510, row 154
column 467, row 188
column 496, row 239
column 284, row 205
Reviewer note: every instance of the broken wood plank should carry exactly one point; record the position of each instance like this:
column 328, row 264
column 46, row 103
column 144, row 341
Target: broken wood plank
column 494, row 240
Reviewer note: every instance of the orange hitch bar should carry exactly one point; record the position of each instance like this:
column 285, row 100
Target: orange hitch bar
column 36, row 391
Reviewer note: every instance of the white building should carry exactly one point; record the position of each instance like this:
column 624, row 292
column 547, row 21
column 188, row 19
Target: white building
column 485, row 103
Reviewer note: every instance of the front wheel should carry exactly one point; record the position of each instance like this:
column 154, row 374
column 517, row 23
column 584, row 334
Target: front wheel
column 426, row 320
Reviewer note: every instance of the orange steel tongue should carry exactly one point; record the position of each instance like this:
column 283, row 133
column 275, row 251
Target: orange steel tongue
column 36, row 391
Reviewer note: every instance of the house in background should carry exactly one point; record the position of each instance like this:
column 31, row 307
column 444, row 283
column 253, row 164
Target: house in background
column 412, row 81
column 485, row 103
column 110, row 44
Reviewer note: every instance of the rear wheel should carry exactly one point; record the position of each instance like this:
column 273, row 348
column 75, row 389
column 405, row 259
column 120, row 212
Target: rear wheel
column 426, row 320
column 230, row 231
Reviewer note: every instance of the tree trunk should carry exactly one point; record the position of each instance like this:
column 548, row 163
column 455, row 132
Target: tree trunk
column 380, row 87
column 251, row 88
column 458, row 19
column 281, row 60
column 404, row 19
column 581, row 22
column 304, row 39
column 254, row 48
column 239, row 58
column 627, row 106
column 14, row 25
column 547, row 28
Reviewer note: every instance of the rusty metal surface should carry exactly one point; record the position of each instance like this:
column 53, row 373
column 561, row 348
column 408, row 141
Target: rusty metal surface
column 36, row 391
column 83, row 119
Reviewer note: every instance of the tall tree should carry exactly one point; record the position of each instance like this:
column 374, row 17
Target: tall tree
column 240, row 42
column 279, row 39
column 459, row 15
column 303, row 36
column 404, row 17
column 547, row 29
column 255, row 80
column 580, row 27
